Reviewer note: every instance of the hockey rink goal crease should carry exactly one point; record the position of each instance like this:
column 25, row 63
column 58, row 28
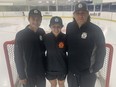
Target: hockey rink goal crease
column 103, row 75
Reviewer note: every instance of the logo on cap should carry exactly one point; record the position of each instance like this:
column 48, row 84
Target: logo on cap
column 35, row 11
column 80, row 6
column 56, row 19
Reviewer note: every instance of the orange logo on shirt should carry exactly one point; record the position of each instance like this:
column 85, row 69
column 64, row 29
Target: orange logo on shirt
column 61, row 45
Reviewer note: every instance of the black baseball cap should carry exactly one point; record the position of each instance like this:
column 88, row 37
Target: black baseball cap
column 81, row 6
column 56, row 20
column 35, row 12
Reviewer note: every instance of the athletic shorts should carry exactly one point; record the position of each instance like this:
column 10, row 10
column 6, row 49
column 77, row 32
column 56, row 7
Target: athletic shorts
column 52, row 76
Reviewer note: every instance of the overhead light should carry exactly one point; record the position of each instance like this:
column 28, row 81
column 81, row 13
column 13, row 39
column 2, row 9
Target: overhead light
column 53, row 2
column 6, row 3
column 47, row 1
column 39, row 1
column 69, row 0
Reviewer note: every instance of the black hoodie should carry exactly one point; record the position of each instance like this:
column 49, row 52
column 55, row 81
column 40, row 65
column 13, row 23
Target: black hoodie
column 29, row 52
column 86, row 47
column 56, row 53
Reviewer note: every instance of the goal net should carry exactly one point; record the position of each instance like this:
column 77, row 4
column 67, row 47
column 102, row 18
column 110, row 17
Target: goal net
column 103, row 74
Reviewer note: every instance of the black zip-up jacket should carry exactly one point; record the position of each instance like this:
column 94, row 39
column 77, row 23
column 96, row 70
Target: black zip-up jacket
column 29, row 52
column 56, row 53
column 86, row 47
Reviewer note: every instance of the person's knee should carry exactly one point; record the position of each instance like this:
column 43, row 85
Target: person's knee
column 53, row 83
column 61, row 83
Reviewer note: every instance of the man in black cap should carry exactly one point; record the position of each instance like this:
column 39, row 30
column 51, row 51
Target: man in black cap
column 29, row 52
column 56, row 53
column 86, row 48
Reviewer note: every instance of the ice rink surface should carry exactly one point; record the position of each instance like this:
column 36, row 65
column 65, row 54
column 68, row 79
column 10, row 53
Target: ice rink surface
column 9, row 26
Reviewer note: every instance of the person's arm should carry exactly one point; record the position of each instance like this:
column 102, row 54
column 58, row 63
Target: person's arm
column 42, row 44
column 18, row 57
column 43, row 48
column 100, row 51
column 68, row 31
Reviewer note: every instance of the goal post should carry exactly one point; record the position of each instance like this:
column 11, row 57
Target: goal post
column 104, row 74
column 9, row 56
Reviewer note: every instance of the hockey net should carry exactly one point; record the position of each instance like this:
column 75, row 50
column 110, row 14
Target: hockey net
column 103, row 74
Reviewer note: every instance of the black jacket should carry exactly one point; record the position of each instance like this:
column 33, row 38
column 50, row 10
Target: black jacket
column 29, row 52
column 86, row 47
column 56, row 53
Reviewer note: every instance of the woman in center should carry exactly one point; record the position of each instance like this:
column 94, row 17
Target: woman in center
column 56, row 65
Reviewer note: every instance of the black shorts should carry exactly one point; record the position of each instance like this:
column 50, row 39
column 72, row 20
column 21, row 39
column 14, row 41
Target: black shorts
column 52, row 76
